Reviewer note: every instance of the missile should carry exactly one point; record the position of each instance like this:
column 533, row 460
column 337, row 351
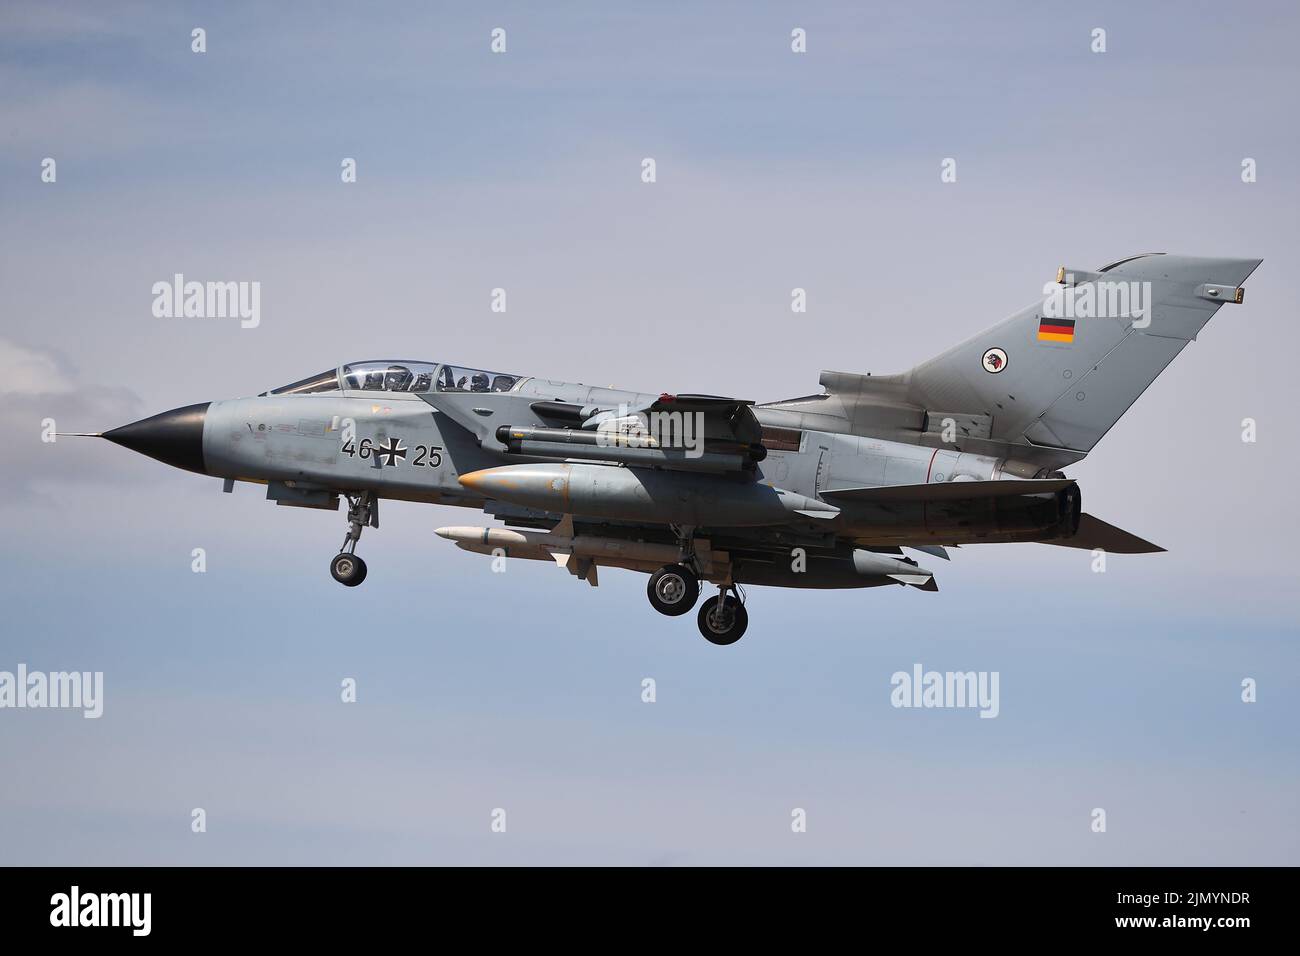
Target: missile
column 525, row 552
column 573, row 436
column 491, row 537
column 543, row 545
column 636, row 449
column 576, row 566
column 636, row 494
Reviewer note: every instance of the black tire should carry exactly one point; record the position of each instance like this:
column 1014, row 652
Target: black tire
column 727, row 631
column 348, row 569
column 673, row 590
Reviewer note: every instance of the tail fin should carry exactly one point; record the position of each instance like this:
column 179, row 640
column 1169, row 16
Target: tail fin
column 1055, row 377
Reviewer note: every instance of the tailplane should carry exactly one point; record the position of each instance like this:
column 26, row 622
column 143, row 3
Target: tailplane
column 1095, row 534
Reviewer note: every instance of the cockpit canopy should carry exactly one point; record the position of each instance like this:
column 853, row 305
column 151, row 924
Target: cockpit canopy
column 402, row 376
column 389, row 376
column 324, row 382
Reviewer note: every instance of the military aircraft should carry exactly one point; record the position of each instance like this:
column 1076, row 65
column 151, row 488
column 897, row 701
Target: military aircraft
column 822, row 491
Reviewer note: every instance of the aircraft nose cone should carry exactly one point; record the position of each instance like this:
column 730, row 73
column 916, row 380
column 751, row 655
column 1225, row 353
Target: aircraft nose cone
column 174, row 438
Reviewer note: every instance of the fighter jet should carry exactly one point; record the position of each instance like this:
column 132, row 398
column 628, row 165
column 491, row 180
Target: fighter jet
column 821, row 491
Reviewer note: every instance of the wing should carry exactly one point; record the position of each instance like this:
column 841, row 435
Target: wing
column 703, row 433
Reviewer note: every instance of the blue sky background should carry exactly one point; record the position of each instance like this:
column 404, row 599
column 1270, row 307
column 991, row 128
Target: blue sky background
column 522, row 690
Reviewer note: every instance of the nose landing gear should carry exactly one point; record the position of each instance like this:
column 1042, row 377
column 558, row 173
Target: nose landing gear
column 346, row 567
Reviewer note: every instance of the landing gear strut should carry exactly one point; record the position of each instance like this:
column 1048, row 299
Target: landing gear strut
column 675, row 588
column 723, row 619
column 346, row 568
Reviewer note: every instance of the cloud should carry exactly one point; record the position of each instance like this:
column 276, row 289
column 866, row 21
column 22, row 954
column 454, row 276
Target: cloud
column 37, row 385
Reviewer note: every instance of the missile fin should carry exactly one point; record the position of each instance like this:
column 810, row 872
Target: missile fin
column 934, row 550
column 911, row 578
column 823, row 515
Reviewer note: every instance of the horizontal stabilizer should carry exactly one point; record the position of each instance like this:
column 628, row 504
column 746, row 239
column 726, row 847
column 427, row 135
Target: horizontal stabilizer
column 1094, row 533
column 950, row 490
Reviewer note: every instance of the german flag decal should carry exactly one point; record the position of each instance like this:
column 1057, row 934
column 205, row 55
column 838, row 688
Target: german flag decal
column 1055, row 330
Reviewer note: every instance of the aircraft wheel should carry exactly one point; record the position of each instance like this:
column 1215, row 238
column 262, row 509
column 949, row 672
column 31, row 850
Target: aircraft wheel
column 348, row 569
column 673, row 590
column 726, row 626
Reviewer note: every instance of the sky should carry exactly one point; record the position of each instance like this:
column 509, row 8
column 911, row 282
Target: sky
column 522, row 170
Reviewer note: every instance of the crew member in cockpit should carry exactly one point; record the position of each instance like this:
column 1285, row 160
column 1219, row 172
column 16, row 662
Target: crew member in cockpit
column 397, row 378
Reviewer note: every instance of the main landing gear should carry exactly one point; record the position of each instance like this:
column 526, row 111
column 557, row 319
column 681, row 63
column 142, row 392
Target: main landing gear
column 346, row 567
column 674, row 589
column 723, row 619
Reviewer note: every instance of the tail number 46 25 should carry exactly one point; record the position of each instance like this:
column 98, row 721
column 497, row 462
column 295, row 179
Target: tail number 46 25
column 393, row 452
